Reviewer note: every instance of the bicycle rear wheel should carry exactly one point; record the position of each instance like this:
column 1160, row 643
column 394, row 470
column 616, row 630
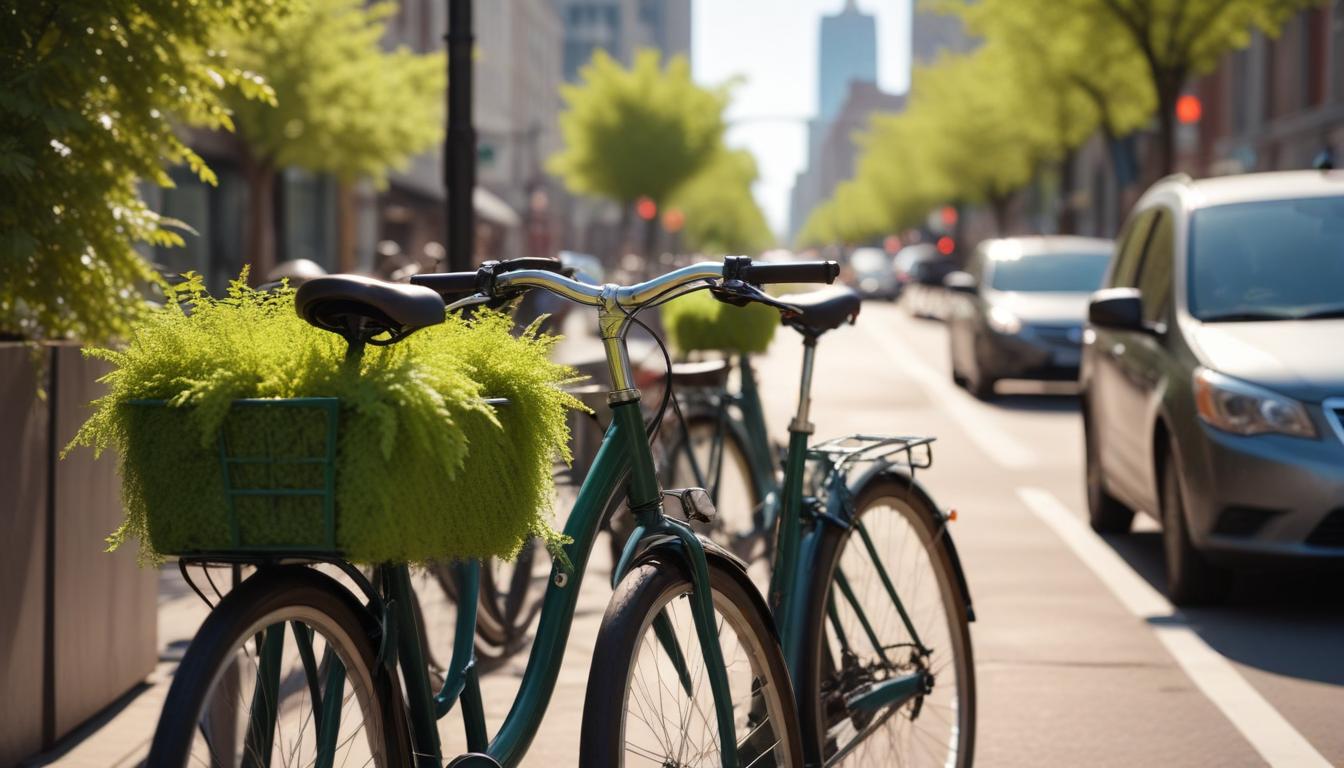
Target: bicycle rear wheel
column 282, row 673
column 640, row 706
column 857, row 637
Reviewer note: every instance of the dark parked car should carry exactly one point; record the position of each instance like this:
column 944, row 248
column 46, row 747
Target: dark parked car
column 871, row 271
column 1213, row 375
column 1020, row 311
column 920, row 270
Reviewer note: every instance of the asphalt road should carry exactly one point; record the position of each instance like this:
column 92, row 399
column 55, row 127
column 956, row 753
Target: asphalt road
column 1080, row 661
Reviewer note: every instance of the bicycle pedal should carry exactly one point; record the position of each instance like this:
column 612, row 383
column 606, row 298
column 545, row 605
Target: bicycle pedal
column 473, row 760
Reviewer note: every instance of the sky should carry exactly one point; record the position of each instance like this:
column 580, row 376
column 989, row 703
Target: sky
column 772, row 46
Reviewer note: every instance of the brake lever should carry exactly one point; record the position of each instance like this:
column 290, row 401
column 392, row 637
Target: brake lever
column 740, row 293
column 469, row 301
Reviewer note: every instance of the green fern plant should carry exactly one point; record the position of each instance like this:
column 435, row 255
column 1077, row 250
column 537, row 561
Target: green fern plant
column 699, row 322
column 425, row 468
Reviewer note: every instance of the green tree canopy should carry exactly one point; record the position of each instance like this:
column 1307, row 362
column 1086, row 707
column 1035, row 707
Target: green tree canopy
column 637, row 132
column 90, row 95
column 344, row 105
column 1180, row 38
column 721, row 213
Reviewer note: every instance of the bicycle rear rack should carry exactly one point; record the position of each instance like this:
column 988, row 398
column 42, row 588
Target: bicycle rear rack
column 841, row 452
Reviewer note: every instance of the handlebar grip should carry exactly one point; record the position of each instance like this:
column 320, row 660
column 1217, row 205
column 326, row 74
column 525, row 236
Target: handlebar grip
column 449, row 285
column 797, row 272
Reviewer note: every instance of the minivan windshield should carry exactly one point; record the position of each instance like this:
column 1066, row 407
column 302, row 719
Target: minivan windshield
column 1050, row 272
column 1268, row 260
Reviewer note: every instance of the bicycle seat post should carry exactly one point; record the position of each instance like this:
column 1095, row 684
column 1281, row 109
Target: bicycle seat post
column 800, row 423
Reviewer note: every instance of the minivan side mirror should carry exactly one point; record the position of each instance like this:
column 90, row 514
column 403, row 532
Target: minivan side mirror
column 960, row 282
column 1118, row 309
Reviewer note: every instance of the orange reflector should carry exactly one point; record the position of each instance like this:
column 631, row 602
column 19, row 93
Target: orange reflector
column 951, row 515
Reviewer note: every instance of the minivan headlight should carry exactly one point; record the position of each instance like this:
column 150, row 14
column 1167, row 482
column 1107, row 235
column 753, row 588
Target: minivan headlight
column 1003, row 320
column 1245, row 409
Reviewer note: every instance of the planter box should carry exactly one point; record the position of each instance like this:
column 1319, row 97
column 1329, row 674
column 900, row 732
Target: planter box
column 80, row 625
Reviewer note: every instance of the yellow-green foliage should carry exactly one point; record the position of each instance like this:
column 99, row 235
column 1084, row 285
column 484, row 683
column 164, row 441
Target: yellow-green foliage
column 698, row 321
column 425, row 469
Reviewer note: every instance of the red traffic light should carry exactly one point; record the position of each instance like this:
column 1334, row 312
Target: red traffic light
column 949, row 216
column 946, row 245
column 646, row 208
column 1189, row 109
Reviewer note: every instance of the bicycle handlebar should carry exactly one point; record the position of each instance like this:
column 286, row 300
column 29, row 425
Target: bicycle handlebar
column 496, row 280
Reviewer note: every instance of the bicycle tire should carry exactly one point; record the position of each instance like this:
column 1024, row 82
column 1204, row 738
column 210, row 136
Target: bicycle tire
column 246, row 615
column 625, row 641
column 826, row 719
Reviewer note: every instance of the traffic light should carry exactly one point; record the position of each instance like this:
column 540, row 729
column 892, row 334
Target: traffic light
column 1189, row 109
column 646, row 209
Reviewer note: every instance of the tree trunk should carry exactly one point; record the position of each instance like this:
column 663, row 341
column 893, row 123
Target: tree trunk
column 260, row 243
column 623, row 233
column 650, row 242
column 346, row 227
column 1068, row 224
column 999, row 205
column 1166, row 121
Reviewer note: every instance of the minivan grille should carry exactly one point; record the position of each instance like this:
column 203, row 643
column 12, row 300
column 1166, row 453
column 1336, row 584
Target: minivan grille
column 1063, row 335
column 1242, row 521
column 1330, row 532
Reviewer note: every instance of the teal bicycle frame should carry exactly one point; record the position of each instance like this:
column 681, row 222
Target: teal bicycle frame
column 802, row 518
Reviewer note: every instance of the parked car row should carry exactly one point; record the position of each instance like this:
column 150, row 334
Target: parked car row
column 1208, row 344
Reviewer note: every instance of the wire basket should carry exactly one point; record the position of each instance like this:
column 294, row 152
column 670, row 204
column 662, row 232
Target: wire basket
column 268, row 485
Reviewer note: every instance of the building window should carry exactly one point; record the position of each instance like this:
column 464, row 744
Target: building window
column 1337, row 48
column 215, row 213
column 309, row 218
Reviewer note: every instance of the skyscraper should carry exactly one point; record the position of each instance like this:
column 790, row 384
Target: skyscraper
column 848, row 51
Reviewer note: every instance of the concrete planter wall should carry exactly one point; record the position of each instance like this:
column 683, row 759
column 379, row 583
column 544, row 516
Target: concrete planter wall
column 78, row 626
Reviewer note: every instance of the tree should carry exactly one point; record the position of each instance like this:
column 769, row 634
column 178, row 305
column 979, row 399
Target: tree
column 721, row 214
column 637, row 132
column 90, row 95
column 1180, row 38
column 1097, row 78
column 344, row 106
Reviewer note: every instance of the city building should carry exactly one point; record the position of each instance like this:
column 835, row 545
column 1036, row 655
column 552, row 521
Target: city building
column 933, row 34
column 838, row 153
column 847, row 52
column 621, row 27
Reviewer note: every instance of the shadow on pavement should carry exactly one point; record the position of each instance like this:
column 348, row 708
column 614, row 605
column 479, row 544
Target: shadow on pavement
column 1287, row 623
column 1045, row 402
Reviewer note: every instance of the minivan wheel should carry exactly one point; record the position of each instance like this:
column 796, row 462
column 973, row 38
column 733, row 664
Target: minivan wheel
column 1105, row 513
column 1191, row 579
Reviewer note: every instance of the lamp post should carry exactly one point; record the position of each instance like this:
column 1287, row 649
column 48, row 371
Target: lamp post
column 459, row 149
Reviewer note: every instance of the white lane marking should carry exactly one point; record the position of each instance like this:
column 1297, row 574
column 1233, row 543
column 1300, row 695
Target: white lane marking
column 1268, row 732
column 975, row 418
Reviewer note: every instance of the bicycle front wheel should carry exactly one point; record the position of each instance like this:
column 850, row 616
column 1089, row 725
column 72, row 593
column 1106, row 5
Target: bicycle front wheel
column 282, row 673
column 649, row 699
column 859, row 637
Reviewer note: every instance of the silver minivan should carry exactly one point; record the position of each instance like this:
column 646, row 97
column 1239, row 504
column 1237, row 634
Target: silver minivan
column 1212, row 375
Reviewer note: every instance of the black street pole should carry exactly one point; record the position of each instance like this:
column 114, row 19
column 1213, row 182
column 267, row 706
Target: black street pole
column 459, row 148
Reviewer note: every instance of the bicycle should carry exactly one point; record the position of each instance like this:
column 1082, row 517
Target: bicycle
column 867, row 652
column 356, row 647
